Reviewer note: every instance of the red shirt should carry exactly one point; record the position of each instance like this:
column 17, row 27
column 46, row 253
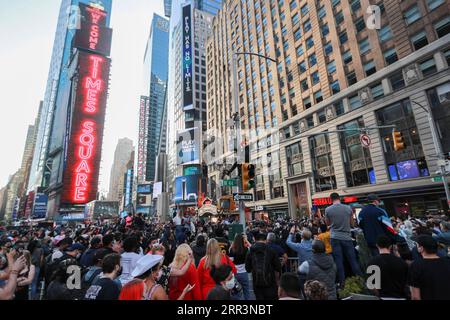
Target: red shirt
column 206, row 282
column 177, row 285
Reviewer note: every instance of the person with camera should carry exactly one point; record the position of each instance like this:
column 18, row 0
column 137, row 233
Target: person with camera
column 16, row 266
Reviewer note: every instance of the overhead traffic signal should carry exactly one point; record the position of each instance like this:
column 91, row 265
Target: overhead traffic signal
column 397, row 138
column 248, row 175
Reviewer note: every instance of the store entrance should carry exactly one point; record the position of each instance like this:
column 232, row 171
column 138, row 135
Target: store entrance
column 300, row 201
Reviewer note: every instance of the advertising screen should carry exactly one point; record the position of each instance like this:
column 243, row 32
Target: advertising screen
column 408, row 169
column 85, row 143
column 186, row 189
column 144, row 188
column 157, row 189
column 188, row 146
column 40, row 206
column 187, row 59
column 191, row 170
column 94, row 38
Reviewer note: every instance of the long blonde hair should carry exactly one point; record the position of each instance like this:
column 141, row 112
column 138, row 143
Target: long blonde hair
column 181, row 255
column 213, row 254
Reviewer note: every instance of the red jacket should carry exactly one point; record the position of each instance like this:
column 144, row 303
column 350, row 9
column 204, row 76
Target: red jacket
column 206, row 282
column 177, row 285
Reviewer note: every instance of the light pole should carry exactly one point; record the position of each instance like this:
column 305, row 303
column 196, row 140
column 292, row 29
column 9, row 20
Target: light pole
column 438, row 149
column 237, row 124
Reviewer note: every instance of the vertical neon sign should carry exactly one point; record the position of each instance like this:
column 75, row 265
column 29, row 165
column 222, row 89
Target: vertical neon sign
column 187, row 58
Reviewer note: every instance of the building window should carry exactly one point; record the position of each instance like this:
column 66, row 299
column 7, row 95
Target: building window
column 447, row 57
column 433, row 4
column 310, row 121
column 357, row 161
column 260, row 194
column 370, row 68
column 428, row 67
column 322, row 163
column 328, row 48
column 325, row 30
column 339, row 17
column 390, row 56
column 318, row 96
column 439, row 99
column 343, row 38
column 360, row 25
column 331, row 67
column 354, row 102
column 295, row 19
column 397, row 81
column 407, row 163
column 294, row 159
column 312, row 60
column 304, row 84
column 364, row 46
column 307, row 26
column 321, row 12
column 322, row 116
column 302, row 67
column 298, row 34
column 355, row 5
column 419, row 40
column 335, row 87
column 351, row 79
column 442, row 27
column 347, row 57
column 339, row 108
column 315, row 78
column 412, row 15
column 307, row 103
column 309, row 43
column 293, row 4
column 300, row 50
column 335, row 2
column 385, row 33
column 377, row 91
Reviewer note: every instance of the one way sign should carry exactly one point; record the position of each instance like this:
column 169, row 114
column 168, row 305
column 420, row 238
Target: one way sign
column 243, row 196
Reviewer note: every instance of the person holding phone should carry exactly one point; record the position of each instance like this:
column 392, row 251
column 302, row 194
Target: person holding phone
column 16, row 266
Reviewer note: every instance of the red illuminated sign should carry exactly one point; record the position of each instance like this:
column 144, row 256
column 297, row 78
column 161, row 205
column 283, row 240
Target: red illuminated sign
column 327, row 201
column 84, row 150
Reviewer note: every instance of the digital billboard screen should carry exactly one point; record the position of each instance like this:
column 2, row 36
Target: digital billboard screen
column 144, row 188
column 188, row 146
column 187, row 58
column 408, row 169
column 85, row 142
column 187, row 189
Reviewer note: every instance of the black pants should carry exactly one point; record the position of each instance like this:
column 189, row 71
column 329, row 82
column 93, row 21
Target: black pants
column 266, row 293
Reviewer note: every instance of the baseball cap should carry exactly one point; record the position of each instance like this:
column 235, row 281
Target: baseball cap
column 75, row 246
column 372, row 197
column 146, row 263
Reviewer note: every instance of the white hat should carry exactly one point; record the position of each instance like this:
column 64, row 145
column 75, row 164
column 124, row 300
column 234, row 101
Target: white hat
column 146, row 263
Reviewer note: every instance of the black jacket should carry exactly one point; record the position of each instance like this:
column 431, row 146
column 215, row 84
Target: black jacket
column 273, row 263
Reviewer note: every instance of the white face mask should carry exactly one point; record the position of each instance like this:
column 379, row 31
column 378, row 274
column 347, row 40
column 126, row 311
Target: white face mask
column 230, row 284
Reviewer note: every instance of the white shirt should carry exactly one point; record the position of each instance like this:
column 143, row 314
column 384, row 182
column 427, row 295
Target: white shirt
column 128, row 262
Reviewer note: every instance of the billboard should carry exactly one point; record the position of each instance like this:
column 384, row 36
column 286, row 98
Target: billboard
column 157, row 189
column 85, row 143
column 128, row 187
column 144, row 188
column 188, row 146
column 186, row 189
column 187, row 59
column 142, row 144
column 192, row 170
column 40, row 206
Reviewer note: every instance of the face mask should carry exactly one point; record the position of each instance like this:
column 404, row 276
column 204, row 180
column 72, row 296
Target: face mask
column 230, row 284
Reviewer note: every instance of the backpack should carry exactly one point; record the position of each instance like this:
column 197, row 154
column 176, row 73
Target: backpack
column 261, row 272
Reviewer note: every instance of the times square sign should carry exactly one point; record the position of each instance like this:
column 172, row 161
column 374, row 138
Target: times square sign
column 93, row 41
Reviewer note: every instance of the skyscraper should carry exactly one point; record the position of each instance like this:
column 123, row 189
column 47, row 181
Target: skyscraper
column 337, row 70
column 186, row 117
column 153, row 101
column 68, row 151
column 124, row 150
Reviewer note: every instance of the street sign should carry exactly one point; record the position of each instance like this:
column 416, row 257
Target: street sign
column 365, row 140
column 228, row 183
column 436, row 179
column 243, row 196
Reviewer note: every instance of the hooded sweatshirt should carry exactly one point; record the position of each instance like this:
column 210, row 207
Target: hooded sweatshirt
column 321, row 267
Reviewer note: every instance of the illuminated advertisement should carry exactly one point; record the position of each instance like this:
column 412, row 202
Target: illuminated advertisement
column 144, row 188
column 85, row 144
column 128, row 186
column 187, row 58
column 40, row 206
column 192, row 170
column 29, row 204
column 157, row 189
column 188, row 146
column 186, row 189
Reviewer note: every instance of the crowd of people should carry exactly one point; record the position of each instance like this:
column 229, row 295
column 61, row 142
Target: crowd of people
column 188, row 258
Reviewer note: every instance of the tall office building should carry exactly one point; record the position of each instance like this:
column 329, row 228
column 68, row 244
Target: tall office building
column 68, row 149
column 153, row 102
column 124, row 150
column 167, row 8
column 337, row 68
column 186, row 117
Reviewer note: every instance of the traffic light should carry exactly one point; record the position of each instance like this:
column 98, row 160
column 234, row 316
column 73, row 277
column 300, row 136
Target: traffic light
column 397, row 138
column 248, row 174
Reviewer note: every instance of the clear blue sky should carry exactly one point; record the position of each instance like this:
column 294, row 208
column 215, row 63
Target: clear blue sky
column 27, row 29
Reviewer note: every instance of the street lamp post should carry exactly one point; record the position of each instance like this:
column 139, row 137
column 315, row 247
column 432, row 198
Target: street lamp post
column 237, row 123
column 438, row 149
